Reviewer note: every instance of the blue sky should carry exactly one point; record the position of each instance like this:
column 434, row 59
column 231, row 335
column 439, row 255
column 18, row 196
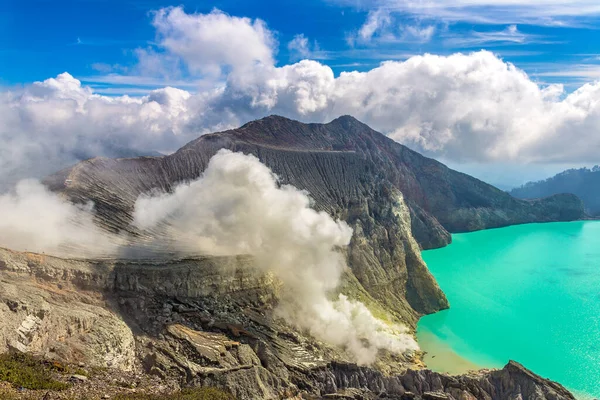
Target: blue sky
column 506, row 90
column 42, row 38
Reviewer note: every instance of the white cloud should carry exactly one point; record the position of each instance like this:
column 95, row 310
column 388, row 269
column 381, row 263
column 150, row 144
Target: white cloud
column 140, row 81
column 210, row 43
column 462, row 107
column 510, row 35
column 377, row 22
column 302, row 48
column 104, row 67
column 381, row 27
column 193, row 50
column 587, row 72
column 299, row 46
column 539, row 12
column 49, row 124
column 471, row 107
column 417, row 33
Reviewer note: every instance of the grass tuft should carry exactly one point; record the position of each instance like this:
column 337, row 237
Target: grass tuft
column 205, row 393
column 22, row 370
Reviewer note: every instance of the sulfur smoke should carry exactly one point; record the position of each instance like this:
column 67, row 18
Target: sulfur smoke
column 238, row 207
column 34, row 219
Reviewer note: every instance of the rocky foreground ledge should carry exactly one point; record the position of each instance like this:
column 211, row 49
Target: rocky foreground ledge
column 147, row 327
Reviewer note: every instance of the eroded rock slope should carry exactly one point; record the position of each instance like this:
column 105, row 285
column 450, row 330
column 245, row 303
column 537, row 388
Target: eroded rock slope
column 208, row 321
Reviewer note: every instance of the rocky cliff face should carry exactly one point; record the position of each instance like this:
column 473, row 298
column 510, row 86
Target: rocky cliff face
column 208, row 321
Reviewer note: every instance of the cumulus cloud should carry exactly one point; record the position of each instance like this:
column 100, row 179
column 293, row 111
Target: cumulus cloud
column 211, row 42
column 48, row 125
column 474, row 107
column 462, row 107
column 237, row 207
column 53, row 123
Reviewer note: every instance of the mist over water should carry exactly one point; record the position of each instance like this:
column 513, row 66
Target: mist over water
column 528, row 293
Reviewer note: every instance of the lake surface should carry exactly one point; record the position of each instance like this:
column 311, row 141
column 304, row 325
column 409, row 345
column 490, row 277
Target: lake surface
column 530, row 293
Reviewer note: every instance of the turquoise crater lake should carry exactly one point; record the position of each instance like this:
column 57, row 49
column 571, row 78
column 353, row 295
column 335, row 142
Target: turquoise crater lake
column 529, row 293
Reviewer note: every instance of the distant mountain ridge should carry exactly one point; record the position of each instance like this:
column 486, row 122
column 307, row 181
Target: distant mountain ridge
column 583, row 182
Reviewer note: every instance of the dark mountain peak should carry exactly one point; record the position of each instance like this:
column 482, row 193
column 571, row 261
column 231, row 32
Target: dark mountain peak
column 341, row 134
column 346, row 118
column 270, row 120
column 275, row 122
column 348, row 121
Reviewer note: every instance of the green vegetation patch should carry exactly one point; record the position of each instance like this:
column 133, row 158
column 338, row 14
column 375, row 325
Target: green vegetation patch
column 22, row 370
column 205, row 393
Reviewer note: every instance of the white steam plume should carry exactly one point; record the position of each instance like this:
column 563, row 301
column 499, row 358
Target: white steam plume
column 34, row 219
column 237, row 207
